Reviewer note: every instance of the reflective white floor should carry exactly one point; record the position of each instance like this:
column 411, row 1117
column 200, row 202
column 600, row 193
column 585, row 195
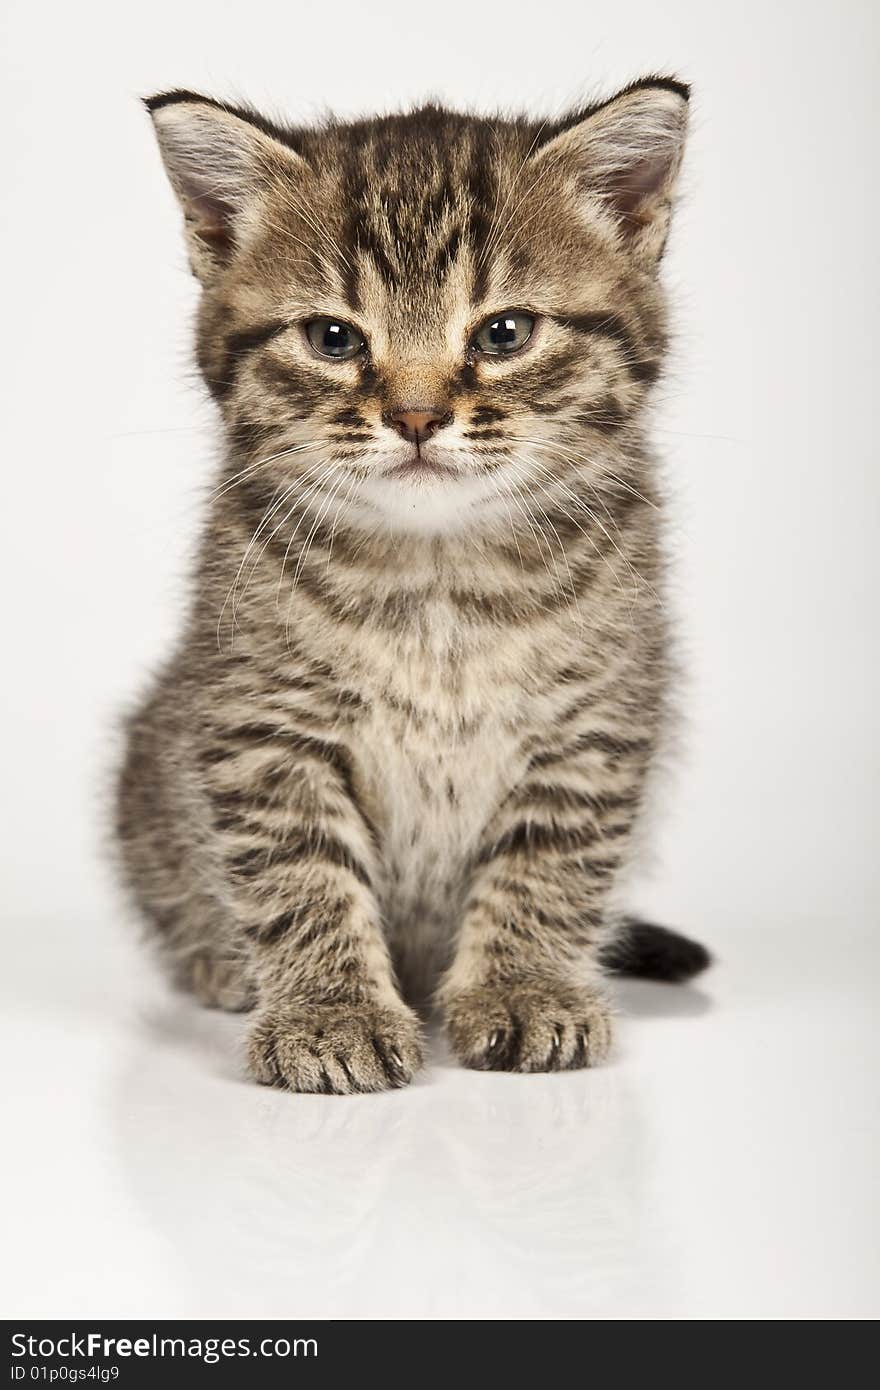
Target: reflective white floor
column 724, row 1166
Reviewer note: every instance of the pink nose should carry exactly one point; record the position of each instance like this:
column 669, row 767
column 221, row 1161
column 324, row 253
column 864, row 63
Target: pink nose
column 417, row 425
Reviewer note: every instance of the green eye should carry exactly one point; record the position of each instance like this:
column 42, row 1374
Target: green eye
column 507, row 332
column 333, row 338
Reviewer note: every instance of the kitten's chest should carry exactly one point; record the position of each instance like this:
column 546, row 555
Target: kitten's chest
column 435, row 788
column 438, row 751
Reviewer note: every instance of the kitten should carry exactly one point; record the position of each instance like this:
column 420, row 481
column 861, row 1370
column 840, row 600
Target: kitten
column 402, row 744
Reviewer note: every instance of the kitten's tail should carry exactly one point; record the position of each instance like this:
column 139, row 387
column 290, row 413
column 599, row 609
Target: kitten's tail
column 654, row 953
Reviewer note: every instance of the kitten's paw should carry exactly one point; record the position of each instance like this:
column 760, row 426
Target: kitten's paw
column 336, row 1049
column 529, row 1027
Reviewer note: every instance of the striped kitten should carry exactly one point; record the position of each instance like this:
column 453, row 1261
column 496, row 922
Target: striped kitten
column 400, row 749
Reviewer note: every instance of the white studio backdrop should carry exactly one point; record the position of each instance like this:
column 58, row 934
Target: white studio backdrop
column 766, row 420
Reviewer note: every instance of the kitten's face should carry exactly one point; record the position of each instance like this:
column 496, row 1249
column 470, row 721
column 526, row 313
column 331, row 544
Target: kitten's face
column 430, row 321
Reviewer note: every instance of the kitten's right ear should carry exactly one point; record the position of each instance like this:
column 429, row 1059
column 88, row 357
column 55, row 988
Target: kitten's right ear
column 626, row 154
column 218, row 161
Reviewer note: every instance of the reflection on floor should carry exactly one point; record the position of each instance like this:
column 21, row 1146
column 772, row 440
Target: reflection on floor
column 723, row 1166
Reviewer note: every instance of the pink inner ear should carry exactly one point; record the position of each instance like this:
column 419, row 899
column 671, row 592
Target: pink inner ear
column 210, row 226
column 211, row 215
column 637, row 184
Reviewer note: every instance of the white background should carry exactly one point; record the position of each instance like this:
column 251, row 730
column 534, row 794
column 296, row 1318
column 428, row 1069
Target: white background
column 767, row 422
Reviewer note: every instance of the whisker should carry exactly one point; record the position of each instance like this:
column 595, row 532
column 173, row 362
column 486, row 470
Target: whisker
column 501, row 490
column 274, row 507
column 303, row 555
column 229, row 483
column 564, row 554
column 332, row 468
column 532, row 463
column 581, row 459
column 579, row 502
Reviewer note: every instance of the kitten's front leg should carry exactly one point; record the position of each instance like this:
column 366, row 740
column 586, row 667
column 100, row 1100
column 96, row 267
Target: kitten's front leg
column 524, row 992
column 297, row 862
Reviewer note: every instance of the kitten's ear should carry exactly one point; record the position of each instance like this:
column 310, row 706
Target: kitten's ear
column 627, row 153
column 218, row 161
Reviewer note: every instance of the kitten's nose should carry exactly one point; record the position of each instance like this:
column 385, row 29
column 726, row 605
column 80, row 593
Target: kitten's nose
column 418, row 425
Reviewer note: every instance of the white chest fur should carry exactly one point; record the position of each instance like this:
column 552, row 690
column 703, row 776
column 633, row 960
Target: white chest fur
column 435, row 792
column 436, row 755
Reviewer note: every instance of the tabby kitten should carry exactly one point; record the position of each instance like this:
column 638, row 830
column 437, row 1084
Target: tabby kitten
column 402, row 744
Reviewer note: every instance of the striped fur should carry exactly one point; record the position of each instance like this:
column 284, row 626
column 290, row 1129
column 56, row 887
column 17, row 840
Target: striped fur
column 400, row 749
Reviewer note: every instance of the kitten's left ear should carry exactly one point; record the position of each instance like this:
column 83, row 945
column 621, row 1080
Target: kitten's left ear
column 626, row 153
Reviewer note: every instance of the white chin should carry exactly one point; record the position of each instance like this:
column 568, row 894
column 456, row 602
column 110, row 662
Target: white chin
column 430, row 505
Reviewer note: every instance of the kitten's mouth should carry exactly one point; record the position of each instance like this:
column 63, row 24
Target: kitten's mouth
column 418, row 466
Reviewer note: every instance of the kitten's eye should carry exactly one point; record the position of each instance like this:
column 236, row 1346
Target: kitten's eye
column 508, row 332
column 333, row 338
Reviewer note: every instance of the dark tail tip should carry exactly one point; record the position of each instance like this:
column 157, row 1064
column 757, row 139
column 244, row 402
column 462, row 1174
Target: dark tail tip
column 654, row 953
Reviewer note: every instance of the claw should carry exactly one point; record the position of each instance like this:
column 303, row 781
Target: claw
column 392, row 1062
column 497, row 1046
column 346, row 1069
column 579, row 1055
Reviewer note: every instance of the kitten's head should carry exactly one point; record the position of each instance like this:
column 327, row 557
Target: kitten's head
column 424, row 320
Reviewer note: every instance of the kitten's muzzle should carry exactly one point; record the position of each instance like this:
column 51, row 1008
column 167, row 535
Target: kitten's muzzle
column 417, row 424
